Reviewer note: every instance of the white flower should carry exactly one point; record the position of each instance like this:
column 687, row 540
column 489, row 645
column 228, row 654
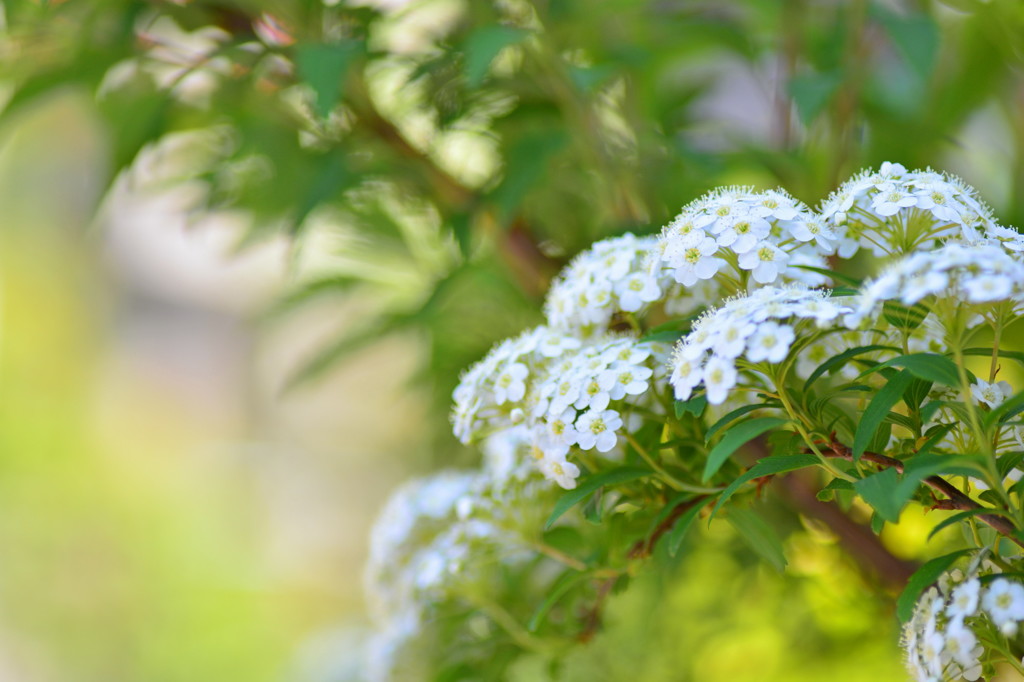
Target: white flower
column 993, row 394
column 698, row 261
column 1004, row 601
column 984, row 288
column 596, row 429
column 719, row 377
column 509, row 385
column 961, row 643
column 770, row 342
column 687, row 372
column 964, row 601
column 814, row 229
column 635, row 290
column 761, row 228
column 765, row 261
column 868, row 210
column 612, row 276
column 559, row 470
column 627, row 380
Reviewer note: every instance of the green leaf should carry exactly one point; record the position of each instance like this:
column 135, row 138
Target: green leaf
column 526, row 165
column 735, row 438
column 812, row 91
column 987, row 352
column 694, row 406
column 935, row 434
column 768, row 466
column 1008, row 409
column 678, row 532
column 962, row 516
column 323, row 67
column 729, row 418
column 903, row 317
column 928, row 366
column 664, row 336
column 590, row 485
column 879, row 491
column 877, row 409
column 828, row 492
column 922, row 578
column 483, row 45
column 916, row 36
column 761, row 537
column 564, row 583
column 842, row 359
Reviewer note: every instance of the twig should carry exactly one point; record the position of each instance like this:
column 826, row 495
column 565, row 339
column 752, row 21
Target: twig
column 957, row 498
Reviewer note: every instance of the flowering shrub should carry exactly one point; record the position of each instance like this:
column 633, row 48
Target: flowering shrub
column 678, row 375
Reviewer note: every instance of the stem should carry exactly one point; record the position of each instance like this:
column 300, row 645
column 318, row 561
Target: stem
column 957, row 498
column 559, row 556
column 668, row 478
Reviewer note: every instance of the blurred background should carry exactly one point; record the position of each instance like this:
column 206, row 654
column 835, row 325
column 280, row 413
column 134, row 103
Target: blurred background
column 247, row 247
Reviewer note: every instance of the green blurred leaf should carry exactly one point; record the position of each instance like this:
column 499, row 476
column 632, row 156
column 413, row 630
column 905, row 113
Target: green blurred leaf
column 323, row 67
column 682, row 525
column 592, row 484
column 768, row 466
column 483, row 45
column 922, row 578
column 811, row 92
column 761, row 537
column 916, row 36
column 879, row 491
column 694, row 406
column 735, row 438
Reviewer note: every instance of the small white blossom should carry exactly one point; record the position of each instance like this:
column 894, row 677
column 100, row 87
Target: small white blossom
column 596, row 429
column 1004, row 601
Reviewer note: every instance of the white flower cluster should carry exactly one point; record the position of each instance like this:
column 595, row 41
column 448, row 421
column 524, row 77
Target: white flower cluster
column 608, row 278
column 941, row 641
column 750, row 327
column 760, row 234
column 443, row 537
column 893, row 210
column 972, row 273
column 567, row 394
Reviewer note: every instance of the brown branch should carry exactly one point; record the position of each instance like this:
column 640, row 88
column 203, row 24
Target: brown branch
column 644, row 547
column 957, row 498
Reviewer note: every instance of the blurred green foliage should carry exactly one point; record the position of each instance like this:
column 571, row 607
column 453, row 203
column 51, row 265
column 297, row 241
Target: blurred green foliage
column 518, row 132
column 462, row 152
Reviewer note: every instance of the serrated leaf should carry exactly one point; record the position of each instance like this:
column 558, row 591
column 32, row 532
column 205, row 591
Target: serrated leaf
column 877, row 409
column 761, row 537
column 590, row 485
column 921, row 579
column 735, row 438
column 768, row 466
